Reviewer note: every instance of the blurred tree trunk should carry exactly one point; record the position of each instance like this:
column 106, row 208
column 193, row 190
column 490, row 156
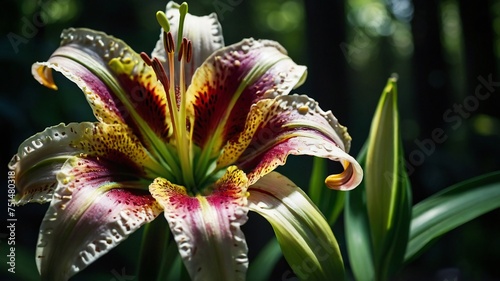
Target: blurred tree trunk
column 432, row 97
column 432, row 84
column 483, row 83
column 327, row 77
column 480, row 59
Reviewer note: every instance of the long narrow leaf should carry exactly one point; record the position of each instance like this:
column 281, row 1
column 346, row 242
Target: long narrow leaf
column 330, row 202
column 357, row 230
column 450, row 208
column 154, row 244
column 397, row 238
column 173, row 268
column 306, row 240
column 388, row 193
column 378, row 212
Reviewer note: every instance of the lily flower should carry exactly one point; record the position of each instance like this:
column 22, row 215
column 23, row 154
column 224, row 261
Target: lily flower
column 193, row 132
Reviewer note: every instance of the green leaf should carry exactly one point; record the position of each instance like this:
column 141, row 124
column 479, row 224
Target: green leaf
column 378, row 212
column 330, row 202
column 357, row 230
column 450, row 208
column 381, row 162
column 387, row 186
column 397, row 238
column 176, row 269
column 262, row 266
column 305, row 238
column 155, row 242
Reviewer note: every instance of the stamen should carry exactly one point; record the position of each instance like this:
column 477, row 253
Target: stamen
column 146, row 58
column 160, row 72
column 171, row 70
column 185, row 50
column 176, row 96
column 189, row 51
column 182, row 85
column 168, row 42
column 163, row 21
column 181, row 50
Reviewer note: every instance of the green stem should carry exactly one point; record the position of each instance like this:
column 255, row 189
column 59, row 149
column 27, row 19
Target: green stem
column 155, row 243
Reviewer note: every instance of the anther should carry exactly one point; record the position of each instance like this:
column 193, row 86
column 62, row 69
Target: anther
column 189, row 51
column 168, row 42
column 182, row 47
column 146, row 58
column 160, row 72
column 185, row 50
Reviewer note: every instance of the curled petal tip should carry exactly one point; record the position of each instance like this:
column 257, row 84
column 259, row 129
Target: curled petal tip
column 44, row 76
column 343, row 180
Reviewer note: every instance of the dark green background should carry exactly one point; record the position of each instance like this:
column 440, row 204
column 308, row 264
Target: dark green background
column 438, row 49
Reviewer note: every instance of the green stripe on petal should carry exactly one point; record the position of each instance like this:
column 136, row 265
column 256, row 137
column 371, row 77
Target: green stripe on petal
column 291, row 124
column 305, row 237
column 96, row 205
column 207, row 229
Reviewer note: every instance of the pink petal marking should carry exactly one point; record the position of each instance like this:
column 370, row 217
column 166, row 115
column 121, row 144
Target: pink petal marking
column 207, row 229
column 291, row 125
column 41, row 156
column 95, row 206
column 117, row 83
column 232, row 80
